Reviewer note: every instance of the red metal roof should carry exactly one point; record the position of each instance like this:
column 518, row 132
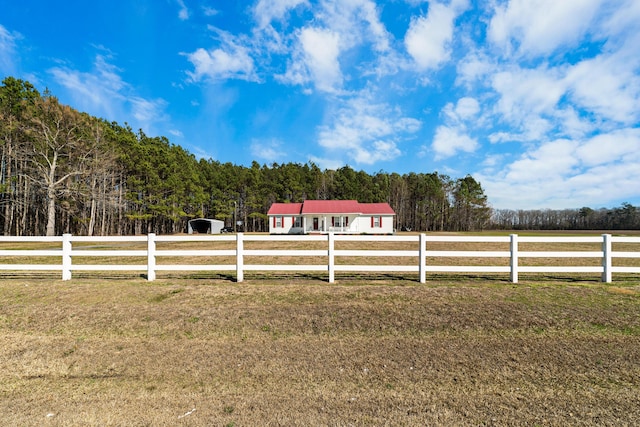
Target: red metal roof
column 330, row 206
column 285, row 209
column 376, row 208
column 311, row 207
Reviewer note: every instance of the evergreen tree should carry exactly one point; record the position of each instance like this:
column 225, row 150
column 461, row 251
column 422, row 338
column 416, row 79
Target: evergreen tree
column 65, row 171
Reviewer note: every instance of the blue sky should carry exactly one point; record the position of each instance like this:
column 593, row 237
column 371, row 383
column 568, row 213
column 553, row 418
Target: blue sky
column 537, row 99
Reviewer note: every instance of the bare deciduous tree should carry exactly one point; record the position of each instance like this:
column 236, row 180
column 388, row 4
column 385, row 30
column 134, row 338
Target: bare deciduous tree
column 59, row 150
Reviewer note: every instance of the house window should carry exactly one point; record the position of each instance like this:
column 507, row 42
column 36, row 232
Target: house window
column 277, row 222
column 297, row 222
column 340, row 221
column 376, row 221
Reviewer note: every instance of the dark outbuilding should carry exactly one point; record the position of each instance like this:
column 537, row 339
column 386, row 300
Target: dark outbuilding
column 205, row 226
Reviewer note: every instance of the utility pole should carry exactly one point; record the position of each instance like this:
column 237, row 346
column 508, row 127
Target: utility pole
column 235, row 215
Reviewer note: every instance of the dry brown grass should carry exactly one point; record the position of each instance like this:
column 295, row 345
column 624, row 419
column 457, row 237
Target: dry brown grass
column 209, row 352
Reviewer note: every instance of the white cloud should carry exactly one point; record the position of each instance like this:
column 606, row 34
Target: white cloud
column 539, row 27
column 183, row 14
column 269, row 150
column 366, row 132
column 429, row 37
column 555, row 158
column 375, row 26
column 619, row 145
column 571, row 100
column 532, row 130
column 297, row 72
column 465, row 109
column 621, row 19
column 357, row 22
column 209, row 11
column 449, row 141
column 452, row 137
column 377, row 151
column 147, row 110
column 7, row 51
column 609, row 86
column 572, row 124
column 266, row 11
column 526, row 92
column 565, row 173
column 338, row 27
column 493, row 160
column 325, row 163
column 221, row 64
column 321, row 49
column 231, row 60
column 103, row 93
column 473, row 68
column 98, row 91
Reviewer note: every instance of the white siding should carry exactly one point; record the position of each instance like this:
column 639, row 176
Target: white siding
column 383, row 224
column 283, row 224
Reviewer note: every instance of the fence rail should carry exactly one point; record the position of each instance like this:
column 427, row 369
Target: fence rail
column 66, row 248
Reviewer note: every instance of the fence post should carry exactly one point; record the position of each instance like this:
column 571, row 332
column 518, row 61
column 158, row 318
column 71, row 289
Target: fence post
column 66, row 256
column 239, row 257
column 514, row 258
column 151, row 257
column 422, row 263
column 330, row 253
column 606, row 258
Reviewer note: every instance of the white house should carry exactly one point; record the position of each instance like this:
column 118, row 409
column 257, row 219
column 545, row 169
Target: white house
column 325, row 216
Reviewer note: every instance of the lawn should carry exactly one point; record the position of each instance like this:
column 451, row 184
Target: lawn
column 297, row 351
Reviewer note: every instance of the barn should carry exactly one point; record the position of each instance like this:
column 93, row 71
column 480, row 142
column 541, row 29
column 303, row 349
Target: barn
column 205, row 226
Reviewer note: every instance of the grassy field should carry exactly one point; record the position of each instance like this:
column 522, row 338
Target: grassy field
column 296, row 351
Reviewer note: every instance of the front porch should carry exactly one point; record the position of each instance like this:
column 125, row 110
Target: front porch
column 330, row 224
column 339, row 230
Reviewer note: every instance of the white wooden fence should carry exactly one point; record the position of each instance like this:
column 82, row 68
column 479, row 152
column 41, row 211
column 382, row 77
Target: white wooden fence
column 111, row 247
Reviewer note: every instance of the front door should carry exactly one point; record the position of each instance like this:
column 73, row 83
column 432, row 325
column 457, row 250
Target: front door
column 315, row 224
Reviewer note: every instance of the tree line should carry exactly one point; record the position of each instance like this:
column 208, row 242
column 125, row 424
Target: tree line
column 625, row 217
column 64, row 171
